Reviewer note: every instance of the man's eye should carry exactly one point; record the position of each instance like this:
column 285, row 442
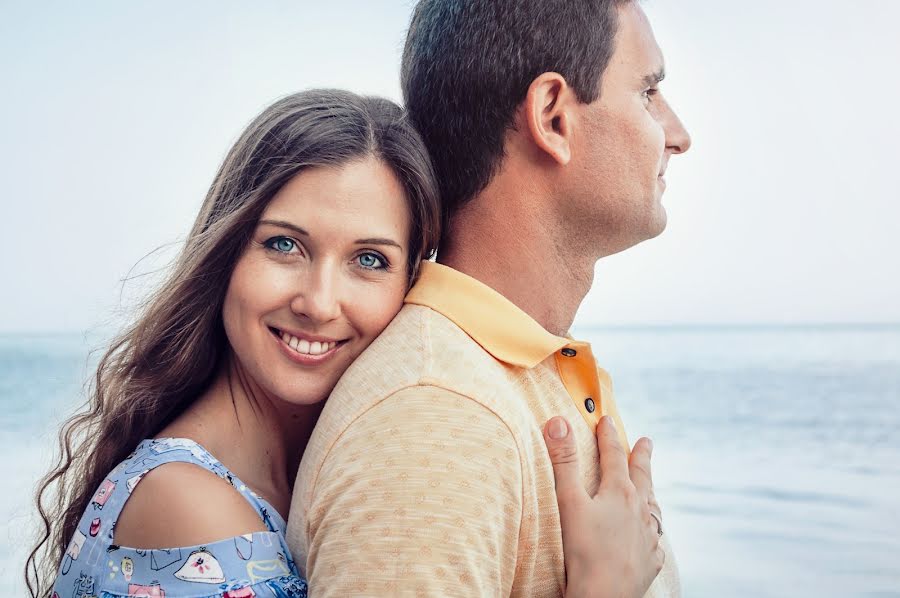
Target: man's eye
column 371, row 261
column 649, row 93
column 281, row 244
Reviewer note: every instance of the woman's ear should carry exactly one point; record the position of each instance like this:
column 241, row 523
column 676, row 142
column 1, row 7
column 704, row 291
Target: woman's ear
column 547, row 111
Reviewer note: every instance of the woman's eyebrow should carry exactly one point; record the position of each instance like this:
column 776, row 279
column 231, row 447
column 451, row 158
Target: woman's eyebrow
column 284, row 224
column 378, row 241
column 300, row 231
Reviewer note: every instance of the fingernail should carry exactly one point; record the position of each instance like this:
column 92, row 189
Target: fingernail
column 558, row 428
column 610, row 422
column 650, row 442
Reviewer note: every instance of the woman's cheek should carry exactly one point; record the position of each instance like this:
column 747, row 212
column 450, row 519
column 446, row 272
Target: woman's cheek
column 257, row 287
column 271, row 283
column 374, row 308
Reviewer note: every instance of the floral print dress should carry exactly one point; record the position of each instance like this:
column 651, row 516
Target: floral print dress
column 257, row 564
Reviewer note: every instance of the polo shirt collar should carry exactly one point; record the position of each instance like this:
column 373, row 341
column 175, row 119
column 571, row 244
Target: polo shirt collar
column 492, row 320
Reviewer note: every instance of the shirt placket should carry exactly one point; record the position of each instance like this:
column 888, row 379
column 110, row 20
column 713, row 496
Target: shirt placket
column 578, row 371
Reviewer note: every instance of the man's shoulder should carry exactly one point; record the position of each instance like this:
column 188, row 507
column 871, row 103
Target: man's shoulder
column 398, row 354
column 419, row 347
column 422, row 357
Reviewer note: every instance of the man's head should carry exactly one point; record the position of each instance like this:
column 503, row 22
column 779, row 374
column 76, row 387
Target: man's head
column 568, row 86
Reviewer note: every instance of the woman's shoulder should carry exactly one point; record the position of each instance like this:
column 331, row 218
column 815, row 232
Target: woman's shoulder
column 172, row 492
column 182, row 504
column 183, row 496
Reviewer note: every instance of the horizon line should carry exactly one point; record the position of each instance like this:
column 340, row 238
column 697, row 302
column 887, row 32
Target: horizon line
column 733, row 325
column 94, row 330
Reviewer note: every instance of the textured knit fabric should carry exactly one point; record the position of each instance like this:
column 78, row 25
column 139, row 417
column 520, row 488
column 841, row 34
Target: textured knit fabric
column 257, row 564
column 427, row 473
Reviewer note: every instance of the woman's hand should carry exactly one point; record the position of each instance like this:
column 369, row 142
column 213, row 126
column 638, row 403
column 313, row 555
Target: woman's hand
column 610, row 540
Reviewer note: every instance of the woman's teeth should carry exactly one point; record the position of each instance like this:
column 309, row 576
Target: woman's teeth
column 306, row 347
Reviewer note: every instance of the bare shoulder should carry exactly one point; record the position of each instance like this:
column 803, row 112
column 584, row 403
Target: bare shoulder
column 182, row 504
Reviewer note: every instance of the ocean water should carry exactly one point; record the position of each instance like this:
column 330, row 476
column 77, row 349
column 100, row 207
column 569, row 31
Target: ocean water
column 776, row 460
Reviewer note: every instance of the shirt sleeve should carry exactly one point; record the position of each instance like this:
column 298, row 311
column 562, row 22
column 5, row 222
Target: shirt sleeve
column 422, row 495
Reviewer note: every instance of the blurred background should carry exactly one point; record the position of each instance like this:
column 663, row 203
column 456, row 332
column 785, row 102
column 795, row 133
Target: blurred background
column 757, row 340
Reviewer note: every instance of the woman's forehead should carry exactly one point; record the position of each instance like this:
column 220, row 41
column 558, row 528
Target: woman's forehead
column 360, row 198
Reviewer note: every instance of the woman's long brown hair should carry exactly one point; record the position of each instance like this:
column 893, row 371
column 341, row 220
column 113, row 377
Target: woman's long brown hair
column 156, row 367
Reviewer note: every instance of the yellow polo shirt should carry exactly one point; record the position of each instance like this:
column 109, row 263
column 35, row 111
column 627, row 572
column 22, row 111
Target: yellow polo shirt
column 427, row 473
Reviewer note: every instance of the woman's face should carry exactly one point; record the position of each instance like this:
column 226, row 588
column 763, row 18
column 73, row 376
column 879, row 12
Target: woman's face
column 324, row 274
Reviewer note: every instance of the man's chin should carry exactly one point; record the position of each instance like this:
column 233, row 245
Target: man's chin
column 634, row 231
column 654, row 226
column 658, row 223
column 647, row 234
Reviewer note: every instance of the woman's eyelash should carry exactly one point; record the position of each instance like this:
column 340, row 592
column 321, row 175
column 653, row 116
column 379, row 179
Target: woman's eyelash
column 280, row 244
column 383, row 264
column 369, row 260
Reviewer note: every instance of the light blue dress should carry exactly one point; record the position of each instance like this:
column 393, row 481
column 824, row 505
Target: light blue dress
column 257, row 564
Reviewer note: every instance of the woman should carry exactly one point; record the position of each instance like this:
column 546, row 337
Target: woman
column 178, row 478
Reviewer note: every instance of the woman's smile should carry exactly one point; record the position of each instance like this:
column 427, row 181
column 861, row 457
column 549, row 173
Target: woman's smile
column 324, row 273
column 306, row 349
column 301, row 255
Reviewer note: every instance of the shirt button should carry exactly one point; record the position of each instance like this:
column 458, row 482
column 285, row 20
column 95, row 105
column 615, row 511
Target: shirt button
column 569, row 352
column 589, row 405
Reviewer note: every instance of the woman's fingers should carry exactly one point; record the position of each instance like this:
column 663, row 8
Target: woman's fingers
column 639, row 467
column 610, row 539
column 564, row 457
column 613, row 460
column 617, row 468
column 654, row 508
column 642, row 477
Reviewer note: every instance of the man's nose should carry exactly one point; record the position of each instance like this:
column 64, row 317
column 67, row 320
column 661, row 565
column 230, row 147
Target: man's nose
column 678, row 140
column 318, row 297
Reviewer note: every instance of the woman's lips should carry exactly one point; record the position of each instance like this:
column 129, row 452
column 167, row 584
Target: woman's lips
column 306, row 352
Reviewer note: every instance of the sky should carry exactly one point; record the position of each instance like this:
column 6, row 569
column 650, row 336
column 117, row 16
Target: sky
column 786, row 210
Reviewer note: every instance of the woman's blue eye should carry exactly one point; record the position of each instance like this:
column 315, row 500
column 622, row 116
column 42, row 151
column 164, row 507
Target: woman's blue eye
column 281, row 244
column 371, row 261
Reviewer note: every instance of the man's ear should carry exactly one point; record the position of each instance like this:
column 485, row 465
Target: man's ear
column 548, row 114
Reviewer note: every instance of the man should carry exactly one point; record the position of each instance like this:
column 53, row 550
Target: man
column 427, row 472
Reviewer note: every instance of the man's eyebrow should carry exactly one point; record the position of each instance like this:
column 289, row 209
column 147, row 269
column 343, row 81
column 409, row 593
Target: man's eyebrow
column 654, row 78
column 285, row 224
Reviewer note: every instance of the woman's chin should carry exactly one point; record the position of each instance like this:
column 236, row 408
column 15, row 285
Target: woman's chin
column 306, row 393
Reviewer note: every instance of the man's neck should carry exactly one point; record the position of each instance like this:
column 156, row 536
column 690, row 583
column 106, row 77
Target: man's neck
column 507, row 242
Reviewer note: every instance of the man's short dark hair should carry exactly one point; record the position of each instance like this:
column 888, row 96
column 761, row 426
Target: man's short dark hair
column 467, row 65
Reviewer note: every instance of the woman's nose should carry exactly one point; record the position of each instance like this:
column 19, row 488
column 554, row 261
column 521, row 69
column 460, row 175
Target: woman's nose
column 318, row 296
